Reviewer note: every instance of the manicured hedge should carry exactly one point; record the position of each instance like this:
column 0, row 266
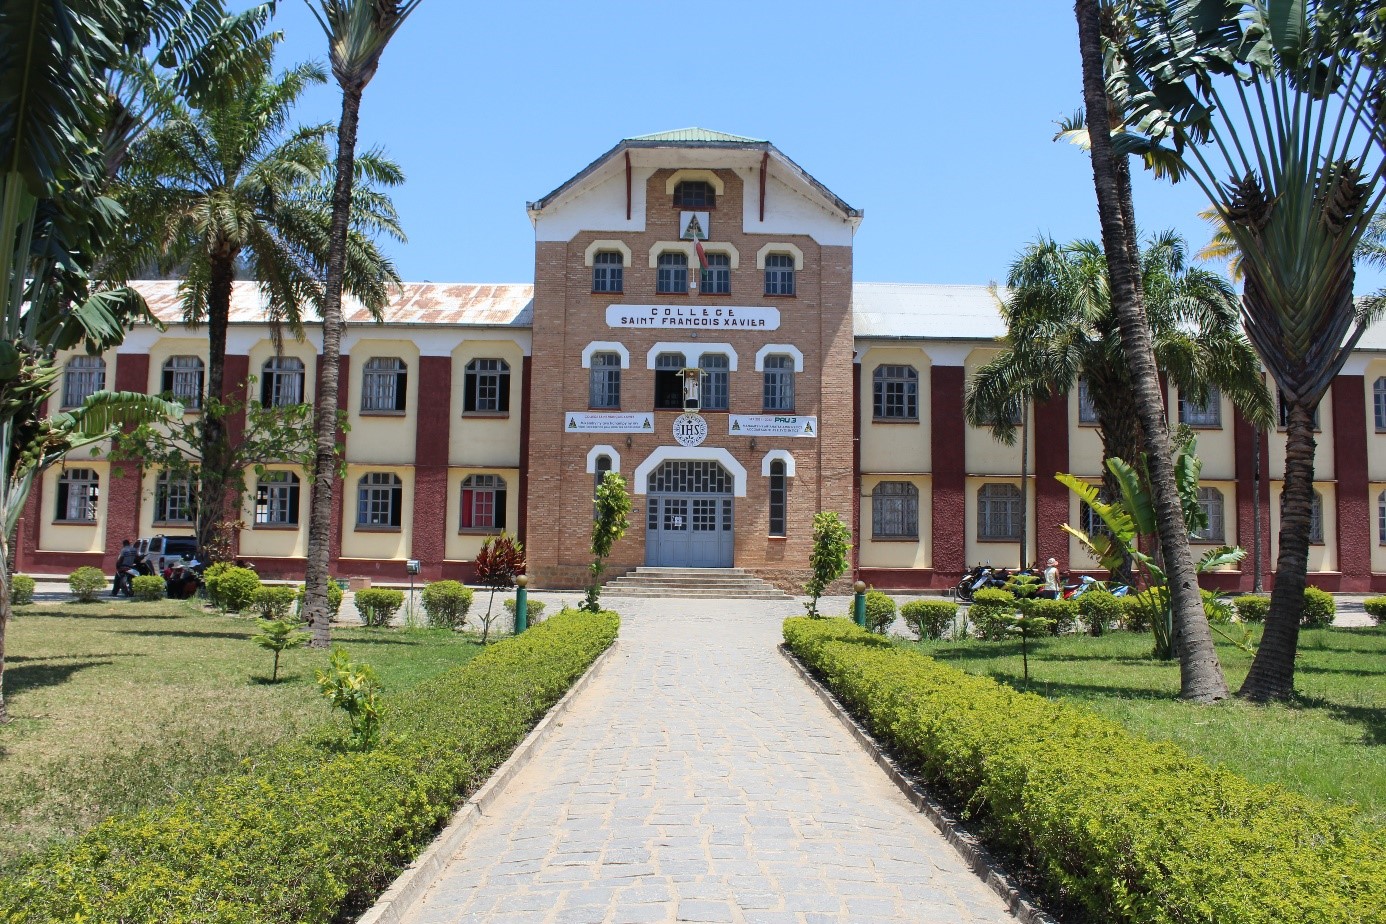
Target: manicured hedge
column 1376, row 608
column 310, row 833
column 22, row 589
column 1120, row 827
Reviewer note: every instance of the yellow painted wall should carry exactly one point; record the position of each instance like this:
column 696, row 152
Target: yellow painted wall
column 463, row 546
column 73, row 537
column 1229, row 517
column 1078, row 557
column 264, row 350
column 1216, row 445
column 382, row 545
column 147, row 527
column 1322, row 557
column 1001, row 554
column 985, row 455
column 1084, row 443
column 895, row 447
column 1323, row 440
column 897, row 553
column 484, row 441
column 382, row 437
column 276, row 541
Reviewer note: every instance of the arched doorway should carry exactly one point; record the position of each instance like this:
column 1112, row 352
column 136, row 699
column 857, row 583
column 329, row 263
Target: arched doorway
column 688, row 518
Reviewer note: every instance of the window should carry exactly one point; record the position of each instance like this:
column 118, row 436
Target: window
column 669, row 381
column 1381, row 518
column 895, row 393
column 379, row 499
column 276, row 499
column 1210, row 499
column 599, row 470
column 1284, row 409
column 716, row 389
column 608, row 271
column 1090, row 523
column 1014, row 409
column 779, row 383
column 778, row 495
column 183, row 380
column 1316, row 520
column 78, row 493
column 383, row 384
column 672, row 278
column 779, row 274
column 488, row 387
column 173, row 498
column 998, row 513
column 717, row 276
column 281, row 384
column 483, row 502
column 1087, row 410
column 604, row 383
column 1205, row 414
column 83, row 377
column 1379, row 403
column 695, row 194
column 894, row 510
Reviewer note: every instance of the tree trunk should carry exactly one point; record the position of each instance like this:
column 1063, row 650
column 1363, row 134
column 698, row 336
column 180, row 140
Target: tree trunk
column 6, row 575
column 1257, row 585
column 1272, row 674
column 325, row 422
column 212, row 478
column 1120, row 431
column 1024, row 481
column 1200, row 672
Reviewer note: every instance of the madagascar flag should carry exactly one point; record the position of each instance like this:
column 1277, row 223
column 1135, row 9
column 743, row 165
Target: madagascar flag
column 702, row 254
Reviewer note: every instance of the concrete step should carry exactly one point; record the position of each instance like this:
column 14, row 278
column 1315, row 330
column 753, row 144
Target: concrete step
column 693, row 583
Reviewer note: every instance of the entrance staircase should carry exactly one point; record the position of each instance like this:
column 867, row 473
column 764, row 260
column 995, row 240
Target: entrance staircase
column 723, row 583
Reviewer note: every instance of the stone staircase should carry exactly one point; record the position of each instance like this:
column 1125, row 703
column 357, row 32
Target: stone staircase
column 724, row 583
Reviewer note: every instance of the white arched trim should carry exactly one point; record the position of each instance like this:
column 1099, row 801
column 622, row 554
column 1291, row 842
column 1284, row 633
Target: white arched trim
column 697, row 454
column 790, row 249
column 684, row 247
column 692, row 352
column 690, row 176
column 771, row 349
column 727, row 249
column 782, row 455
column 596, row 451
column 596, row 246
column 605, row 346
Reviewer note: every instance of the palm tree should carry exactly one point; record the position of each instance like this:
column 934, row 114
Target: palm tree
column 228, row 185
column 1271, row 108
column 1200, row 672
column 357, row 33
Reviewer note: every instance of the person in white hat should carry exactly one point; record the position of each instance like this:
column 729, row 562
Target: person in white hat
column 1053, row 587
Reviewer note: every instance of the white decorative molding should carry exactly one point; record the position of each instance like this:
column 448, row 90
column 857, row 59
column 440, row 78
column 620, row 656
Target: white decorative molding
column 692, row 176
column 1356, row 364
column 605, row 346
column 596, row 246
column 787, row 349
column 692, row 352
column 784, row 456
column 696, row 454
column 603, row 450
column 727, row 249
column 686, row 248
column 946, row 354
column 774, row 247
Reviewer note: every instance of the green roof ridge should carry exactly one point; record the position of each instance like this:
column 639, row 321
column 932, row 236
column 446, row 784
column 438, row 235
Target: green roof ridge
column 697, row 134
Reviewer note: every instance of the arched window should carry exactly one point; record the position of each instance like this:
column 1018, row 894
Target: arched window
column 668, row 379
column 276, row 499
column 83, row 377
column 384, row 384
column 379, row 501
column 894, row 510
column 78, row 492
column 695, row 194
column 895, row 393
column 281, row 382
column 1087, row 410
column 174, row 499
column 1379, row 403
column 1316, row 520
column 672, row 276
column 608, row 271
column 604, row 383
column 1210, row 499
column 716, row 381
column 779, row 492
column 487, row 387
column 778, row 392
column 998, row 513
column 717, row 276
column 600, row 467
column 1381, row 518
column 1207, row 413
column 779, row 274
column 483, row 502
column 183, row 380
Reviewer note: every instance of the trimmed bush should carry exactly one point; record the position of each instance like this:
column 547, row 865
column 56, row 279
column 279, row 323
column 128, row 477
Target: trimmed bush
column 1319, row 608
column 1098, row 610
column 21, row 590
column 87, row 583
column 1376, row 608
column 335, row 594
column 1062, row 614
column 276, row 843
column 1139, row 612
column 536, row 610
column 929, row 618
column 1115, row 827
column 446, row 604
column 1252, row 607
column 209, row 578
column 988, row 613
column 273, row 602
column 231, row 589
column 148, row 587
column 880, row 611
column 377, row 604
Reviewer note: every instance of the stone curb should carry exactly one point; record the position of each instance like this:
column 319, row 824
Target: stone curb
column 396, row 902
column 968, row 846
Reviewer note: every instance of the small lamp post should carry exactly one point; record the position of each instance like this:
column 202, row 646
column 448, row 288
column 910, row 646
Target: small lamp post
column 859, row 603
column 521, row 603
column 411, row 567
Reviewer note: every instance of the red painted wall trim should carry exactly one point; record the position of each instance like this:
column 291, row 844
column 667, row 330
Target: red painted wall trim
column 235, row 385
column 334, row 553
column 428, row 541
column 856, row 455
column 123, row 497
column 526, row 374
column 1050, row 440
column 1350, row 459
column 947, row 445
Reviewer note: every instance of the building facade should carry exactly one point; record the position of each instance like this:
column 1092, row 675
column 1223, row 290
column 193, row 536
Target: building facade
column 693, row 325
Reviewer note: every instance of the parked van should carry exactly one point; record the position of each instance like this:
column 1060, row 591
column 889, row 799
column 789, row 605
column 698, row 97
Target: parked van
column 165, row 550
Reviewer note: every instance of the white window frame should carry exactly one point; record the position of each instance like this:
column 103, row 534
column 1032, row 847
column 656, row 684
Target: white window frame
column 278, row 498
column 1208, row 414
column 379, row 495
column 79, row 495
column 83, row 376
column 174, row 499
column 1215, row 510
column 998, row 505
column 283, row 378
column 384, row 385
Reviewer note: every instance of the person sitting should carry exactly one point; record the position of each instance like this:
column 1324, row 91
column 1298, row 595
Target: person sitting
column 180, row 583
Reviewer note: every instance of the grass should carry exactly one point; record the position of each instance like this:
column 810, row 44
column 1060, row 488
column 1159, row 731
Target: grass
column 116, row 706
column 1330, row 743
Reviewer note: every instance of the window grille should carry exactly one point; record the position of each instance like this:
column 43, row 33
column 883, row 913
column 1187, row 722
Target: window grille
column 608, row 271
column 487, row 386
column 379, row 499
column 672, row 275
column 483, row 502
column 383, row 384
column 1381, row 518
column 717, row 276
column 1210, row 499
column 1316, row 520
column 173, row 498
column 895, row 393
column 277, row 499
column 1379, row 403
column 695, row 194
column 1202, row 414
column 894, row 510
column 281, row 382
column 779, row 274
column 599, row 470
column 778, row 392
column 779, row 490
column 78, row 493
column 83, row 377
column 1087, row 410
column 716, row 390
column 690, row 476
column 183, row 380
column 998, row 513
column 604, row 386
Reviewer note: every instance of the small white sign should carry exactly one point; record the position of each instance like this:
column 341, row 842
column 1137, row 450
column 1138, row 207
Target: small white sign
column 722, row 317
column 690, row 429
column 596, row 422
column 772, row 425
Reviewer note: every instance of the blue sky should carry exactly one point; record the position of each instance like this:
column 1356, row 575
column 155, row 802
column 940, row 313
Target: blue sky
column 936, row 119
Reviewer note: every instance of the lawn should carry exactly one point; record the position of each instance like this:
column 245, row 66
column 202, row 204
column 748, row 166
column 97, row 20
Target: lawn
column 120, row 705
column 1331, row 743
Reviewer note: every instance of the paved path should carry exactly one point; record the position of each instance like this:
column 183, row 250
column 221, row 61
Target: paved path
column 698, row 779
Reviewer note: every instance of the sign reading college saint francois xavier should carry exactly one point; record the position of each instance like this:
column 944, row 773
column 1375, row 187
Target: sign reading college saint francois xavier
column 721, row 317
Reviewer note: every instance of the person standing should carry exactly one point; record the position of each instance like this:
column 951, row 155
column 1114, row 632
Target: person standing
column 125, row 562
column 1053, row 586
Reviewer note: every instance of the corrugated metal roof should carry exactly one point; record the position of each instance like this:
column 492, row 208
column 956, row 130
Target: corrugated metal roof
column 934, row 312
column 695, row 134
column 448, row 303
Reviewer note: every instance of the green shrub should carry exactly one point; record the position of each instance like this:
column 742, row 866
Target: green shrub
column 231, row 589
column 356, row 690
column 21, row 589
column 87, row 582
column 1252, row 607
column 1139, row 612
column 989, row 611
column 148, row 587
column 535, row 608
column 930, row 618
column 1061, row 614
column 1319, row 608
column 1376, row 608
column 334, row 597
column 377, row 604
column 1098, row 610
column 446, row 604
column 880, row 611
column 273, row 602
column 309, row 832
column 1114, row 827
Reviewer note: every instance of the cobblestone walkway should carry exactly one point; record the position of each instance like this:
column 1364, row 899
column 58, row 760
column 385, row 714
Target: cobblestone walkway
column 697, row 779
